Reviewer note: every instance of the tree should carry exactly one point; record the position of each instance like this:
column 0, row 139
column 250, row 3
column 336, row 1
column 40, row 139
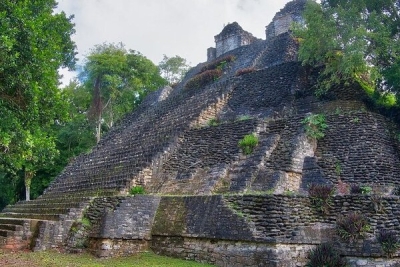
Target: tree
column 34, row 43
column 117, row 79
column 173, row 69
column 354, row 41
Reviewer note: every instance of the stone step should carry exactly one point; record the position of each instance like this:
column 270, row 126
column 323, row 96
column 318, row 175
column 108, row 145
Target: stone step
column 10, row 227
column 44, row 217
column 91, row 185
column 43, row 210
column 89, row 194
column 6, row 233
column 5, row 220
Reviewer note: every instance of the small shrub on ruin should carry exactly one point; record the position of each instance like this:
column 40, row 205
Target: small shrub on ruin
column 321, row 196
column 366, row 190
column 86, row 222
column 389, row 242
column 219, row 63
column 315, row 125
column 327, row 255
column 360, row 189
column 213, row 122
column 396, row 191
column 244, row 71
column 355, row 189
column 244, row 117
column 203, row 79
column 137, row 190
column 352, row 226
column 248, row 143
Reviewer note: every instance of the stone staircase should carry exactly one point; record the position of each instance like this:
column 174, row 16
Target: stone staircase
column 20, row 224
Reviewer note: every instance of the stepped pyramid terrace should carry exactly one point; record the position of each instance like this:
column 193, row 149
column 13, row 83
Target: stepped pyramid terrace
column 207, row 200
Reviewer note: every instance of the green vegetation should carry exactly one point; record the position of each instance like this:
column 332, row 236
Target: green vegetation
column 137, row 190
column 43, row 128
column 352, row 226
column 244, row 117
column 34, row 43
column 327, row 255
column 315, row 125
column 389, row 241
column 213, row 122
column 321, row 196
column 203, row 78
column 117, row 79
column 355, row 42
column 56, row 259
column 219, row 64
column 244, row 71
column 248, row 143
column 173, row 69
column 363, row 189
column 338, row 168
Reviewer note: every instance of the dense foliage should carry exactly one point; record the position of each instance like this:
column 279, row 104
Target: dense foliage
column 389, row 241
column 173, row 69
column 321, row 196
column 325, row 255
column 248, row 143
column 117, row 80
column 355, row 41
column 315, row 125
column 34, row 43
column 352, row 226
column 44, row 127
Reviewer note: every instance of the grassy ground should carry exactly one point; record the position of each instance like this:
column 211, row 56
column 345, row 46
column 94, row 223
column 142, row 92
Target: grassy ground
column 56, row 259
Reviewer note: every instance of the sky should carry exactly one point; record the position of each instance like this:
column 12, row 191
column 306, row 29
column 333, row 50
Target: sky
column 157, row 27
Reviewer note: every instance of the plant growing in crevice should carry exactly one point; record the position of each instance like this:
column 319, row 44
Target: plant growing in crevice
column 315, row 125
column 338, row 168
column 396, row 191
column 321, row 196
column 78, row 237
column 352, row 226
column 245, row 71
column 355, row 120
column 366, row 190
column 219, row 63
column 244, row 117
column 327, row 255
column 203, row 79
column 357, row 189
column 389, row 242
column 248, row 143
column 137, row 190
column 377, row 203
column 213, row 122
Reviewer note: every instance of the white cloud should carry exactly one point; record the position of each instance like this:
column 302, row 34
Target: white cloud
column 172, row 27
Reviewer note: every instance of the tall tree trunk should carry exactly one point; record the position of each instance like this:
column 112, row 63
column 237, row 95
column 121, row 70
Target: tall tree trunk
column 98, row 129
column 95, row 112
column 28, row 181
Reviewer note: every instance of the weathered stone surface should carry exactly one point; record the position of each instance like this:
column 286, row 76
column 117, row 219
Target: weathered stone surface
column 167, row 146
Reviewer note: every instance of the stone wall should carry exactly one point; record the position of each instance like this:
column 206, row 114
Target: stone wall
column 242, row 230
column 121, row 225
column 232, row 37
column 282, row 21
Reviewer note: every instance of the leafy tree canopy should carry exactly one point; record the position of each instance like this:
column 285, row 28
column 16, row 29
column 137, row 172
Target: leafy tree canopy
column 117, row 80
column 34, row 43
column 173, row 69
column 354, row 41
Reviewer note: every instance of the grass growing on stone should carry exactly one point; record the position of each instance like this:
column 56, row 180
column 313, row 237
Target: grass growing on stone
column 56, row 259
